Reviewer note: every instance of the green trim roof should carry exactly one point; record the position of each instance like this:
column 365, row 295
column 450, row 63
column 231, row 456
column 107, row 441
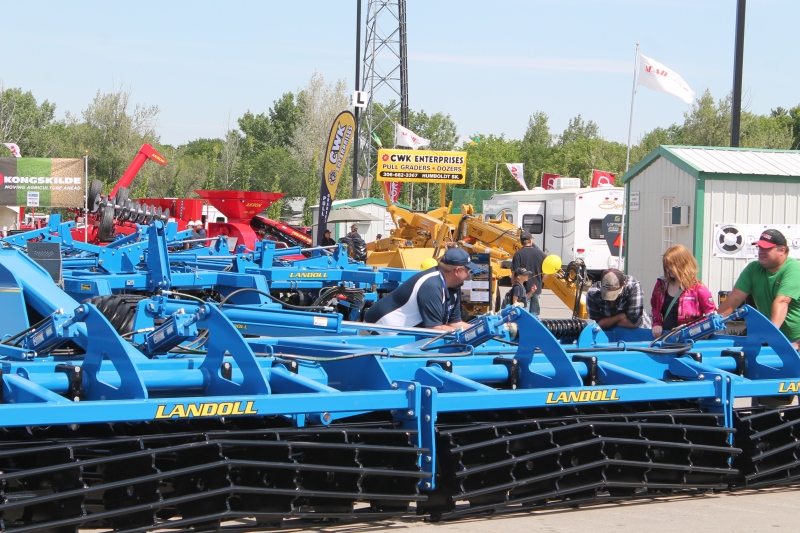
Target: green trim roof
column 713, row 162
column 356, row 202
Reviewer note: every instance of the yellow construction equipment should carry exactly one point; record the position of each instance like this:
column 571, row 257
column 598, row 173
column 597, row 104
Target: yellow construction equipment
column 569, row 284
column 424, row 235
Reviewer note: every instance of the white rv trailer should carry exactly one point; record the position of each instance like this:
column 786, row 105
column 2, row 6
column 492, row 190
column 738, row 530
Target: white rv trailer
column 569, row 222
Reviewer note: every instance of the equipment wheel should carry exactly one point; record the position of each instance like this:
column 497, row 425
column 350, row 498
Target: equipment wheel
column 119, row 309
column 93, row 196
column 105, row 233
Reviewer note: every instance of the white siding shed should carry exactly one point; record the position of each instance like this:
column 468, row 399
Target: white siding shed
column 727, row 196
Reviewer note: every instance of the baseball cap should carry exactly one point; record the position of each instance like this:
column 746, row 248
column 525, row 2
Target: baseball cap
column 525, row 236
column 522, row 271
column 458, row 257
column 770, row 239
column 326, row 231
column 191, row 223
column 611, row 284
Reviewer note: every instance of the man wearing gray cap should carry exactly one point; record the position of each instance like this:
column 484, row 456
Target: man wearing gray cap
column 617, row 300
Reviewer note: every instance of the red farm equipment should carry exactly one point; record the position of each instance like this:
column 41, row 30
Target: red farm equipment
column 115, row 213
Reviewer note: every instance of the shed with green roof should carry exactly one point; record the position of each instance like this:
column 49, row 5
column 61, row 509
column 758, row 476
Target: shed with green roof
column 713, row 200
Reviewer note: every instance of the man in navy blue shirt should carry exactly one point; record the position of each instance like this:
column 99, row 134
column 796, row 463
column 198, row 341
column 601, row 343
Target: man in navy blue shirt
column 530, row 257
column 430, row 299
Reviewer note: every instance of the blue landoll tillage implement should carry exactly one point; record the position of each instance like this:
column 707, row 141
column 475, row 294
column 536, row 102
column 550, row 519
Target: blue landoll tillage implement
column 200, row 412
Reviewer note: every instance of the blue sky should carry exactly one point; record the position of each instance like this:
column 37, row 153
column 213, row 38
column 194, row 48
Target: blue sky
column 488, row 64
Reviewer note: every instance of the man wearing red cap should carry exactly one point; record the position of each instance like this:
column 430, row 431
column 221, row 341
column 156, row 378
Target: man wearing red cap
column 774, row 282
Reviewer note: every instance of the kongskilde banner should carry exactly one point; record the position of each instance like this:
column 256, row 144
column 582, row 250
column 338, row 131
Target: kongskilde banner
column 423, row 166
column 40, row 182
column 339, row 142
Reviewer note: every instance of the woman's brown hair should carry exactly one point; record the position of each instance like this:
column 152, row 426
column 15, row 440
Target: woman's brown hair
column 681, row 263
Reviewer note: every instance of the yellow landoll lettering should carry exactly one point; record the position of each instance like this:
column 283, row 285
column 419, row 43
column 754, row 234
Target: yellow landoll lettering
column 199, row 410
column 583, row 396
column 789, row 386
column 310, row 275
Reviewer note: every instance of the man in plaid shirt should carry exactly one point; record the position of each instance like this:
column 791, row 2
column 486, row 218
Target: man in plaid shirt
column 617, row 300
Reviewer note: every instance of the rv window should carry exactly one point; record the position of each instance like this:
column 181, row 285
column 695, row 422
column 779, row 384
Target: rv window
column 534, row 224
column 596, row 228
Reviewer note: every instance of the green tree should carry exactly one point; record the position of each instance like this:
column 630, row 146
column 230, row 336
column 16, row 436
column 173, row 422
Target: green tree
column 112, row 131
column 759, row 131
column 536, row 148
column 707, row 124
column 27, row 123
column 653, row 140
column 580, row 148
column 487, row 158
column 789, row 119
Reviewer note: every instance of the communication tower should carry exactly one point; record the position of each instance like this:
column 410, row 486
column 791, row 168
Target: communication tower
column 385, row 70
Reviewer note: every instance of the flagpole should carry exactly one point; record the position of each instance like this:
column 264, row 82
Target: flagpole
column 86, row 196
column 630, row 122
column 627, row 161
column 495, row 176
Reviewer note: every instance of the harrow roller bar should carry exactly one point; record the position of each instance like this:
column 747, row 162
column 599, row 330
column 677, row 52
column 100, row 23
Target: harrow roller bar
column 144, row 481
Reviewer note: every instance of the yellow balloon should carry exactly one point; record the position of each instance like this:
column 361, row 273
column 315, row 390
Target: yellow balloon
column 551, row 264
column 430, row 262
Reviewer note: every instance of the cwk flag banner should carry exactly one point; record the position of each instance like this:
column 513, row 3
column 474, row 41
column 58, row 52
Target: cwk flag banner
column 658, row 77
column 549, row 180
column 14, row 149
column 406, row 137
column 601, row 177
column 516, row 171
column 392, row 189
column 339, row 143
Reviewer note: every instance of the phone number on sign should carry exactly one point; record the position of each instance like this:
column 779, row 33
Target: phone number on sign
column 419, row 175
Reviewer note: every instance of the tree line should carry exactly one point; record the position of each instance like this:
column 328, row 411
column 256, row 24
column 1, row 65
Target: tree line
column 281, row 149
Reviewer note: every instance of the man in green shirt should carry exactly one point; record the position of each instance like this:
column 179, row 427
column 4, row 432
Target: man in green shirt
column 774, row 282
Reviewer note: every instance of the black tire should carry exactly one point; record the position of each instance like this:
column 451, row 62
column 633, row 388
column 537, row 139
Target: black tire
column 93, row 196
column 119, row 309
column 105, row 233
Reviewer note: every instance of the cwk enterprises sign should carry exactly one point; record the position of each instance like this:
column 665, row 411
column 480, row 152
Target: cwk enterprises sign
column 422, row 166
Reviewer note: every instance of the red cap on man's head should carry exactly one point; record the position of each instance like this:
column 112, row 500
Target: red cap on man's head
column 770, row 239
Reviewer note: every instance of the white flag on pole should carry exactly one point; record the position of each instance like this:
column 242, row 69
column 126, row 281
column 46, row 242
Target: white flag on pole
column 656, row 76
column 14, row 149
column 516, row 171
column 406, row 137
